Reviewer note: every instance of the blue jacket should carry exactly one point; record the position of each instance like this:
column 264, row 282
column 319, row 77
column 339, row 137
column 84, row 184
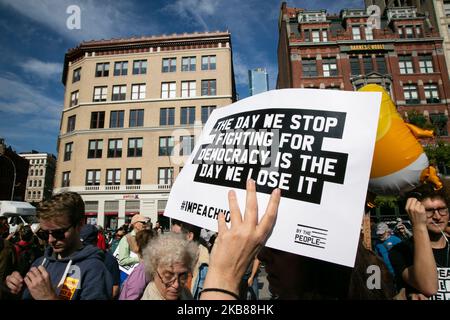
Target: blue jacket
column 81, row 276
column 382, row 249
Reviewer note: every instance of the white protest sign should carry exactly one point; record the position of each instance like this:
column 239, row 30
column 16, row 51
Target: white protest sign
column 315, row 145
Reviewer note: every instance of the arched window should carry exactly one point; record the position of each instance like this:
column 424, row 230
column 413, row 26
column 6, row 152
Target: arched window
column 31, row 172
column 41, row 172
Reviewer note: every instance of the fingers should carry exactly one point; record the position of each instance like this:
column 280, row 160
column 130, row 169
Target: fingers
column 14, row 282
column 235, row 212
column 222, row 223
column 251, row 205
column 270, row 215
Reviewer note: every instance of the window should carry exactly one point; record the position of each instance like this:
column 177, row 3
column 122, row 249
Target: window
column 208, row 62
column 167, row 116
column 209, row 88
column 329, row 67
column 324, row 36
column 187, row 115
column 136, row 118
column 187, row 145
column 41, row 172
column 411, row 95
column 169, row 65
column 76, row 75
column 65, row 179
column 368, row 64
column 188, row 63
column 140, row 67
column 309, row 68
column 71, row 123
column 135, row 147
column 30, row 183
column 31, row 172
column 68, row 151
column 165, row 175
column 168, row 90
column 97, row 119
column 307, row 35
column 355, row 66
column 138, row 91
column 315, row 35
column 165, row 146
column 369, row 33
column 406, row 65
column 188, row 89
column 439, row 120
column 418, row 31
column 74, row 98
column 356, row 32
column 133, row 176
column 426, row 64
column 381, row 64
column 431, row 93
column 121, row 68
column 206, row 111
column 409, row 33
column 102, row 69
column 95, row 149
column 116, row 119
column 40, row 183
column 35, row 183
column 119, row 93
column 112, row 177
column 447, row 8
column 115, row 148
column 92, row 177
column 100, row 94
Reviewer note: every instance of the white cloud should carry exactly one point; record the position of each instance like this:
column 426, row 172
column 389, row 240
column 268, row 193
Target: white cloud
column 42, row 69
column 195, row 10
column 21, row 98
column 98, row 19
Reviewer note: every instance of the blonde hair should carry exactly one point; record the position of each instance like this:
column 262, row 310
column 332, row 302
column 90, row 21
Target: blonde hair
column 168, row 249
column 67, row 203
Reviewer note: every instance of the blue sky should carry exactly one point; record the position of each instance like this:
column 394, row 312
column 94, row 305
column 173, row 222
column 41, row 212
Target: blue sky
column 34, row 38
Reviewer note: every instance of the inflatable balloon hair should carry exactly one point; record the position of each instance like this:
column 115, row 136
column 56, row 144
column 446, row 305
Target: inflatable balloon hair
column 399, row 161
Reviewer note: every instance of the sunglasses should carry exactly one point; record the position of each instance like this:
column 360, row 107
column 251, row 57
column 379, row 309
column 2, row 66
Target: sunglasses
column 58, row 234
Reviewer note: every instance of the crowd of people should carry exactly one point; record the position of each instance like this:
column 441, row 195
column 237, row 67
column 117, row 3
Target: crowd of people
column 67, row 259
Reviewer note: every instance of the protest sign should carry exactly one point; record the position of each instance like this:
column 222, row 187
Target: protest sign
column 315, row 145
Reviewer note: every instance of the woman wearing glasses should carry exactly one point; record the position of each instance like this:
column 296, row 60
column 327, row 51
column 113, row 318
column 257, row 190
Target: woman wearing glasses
column 169, row 259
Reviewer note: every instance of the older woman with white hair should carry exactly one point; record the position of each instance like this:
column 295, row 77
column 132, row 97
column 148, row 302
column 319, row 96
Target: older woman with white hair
column 169, row 259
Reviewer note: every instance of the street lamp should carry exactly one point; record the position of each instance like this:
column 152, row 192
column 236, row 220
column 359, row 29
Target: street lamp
column 14, row 179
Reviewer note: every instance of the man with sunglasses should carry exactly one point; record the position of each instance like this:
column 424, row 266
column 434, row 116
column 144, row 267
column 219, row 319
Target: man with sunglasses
column 68, row 270
column 422, row 263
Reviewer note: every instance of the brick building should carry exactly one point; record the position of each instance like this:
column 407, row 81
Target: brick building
column 343, row 52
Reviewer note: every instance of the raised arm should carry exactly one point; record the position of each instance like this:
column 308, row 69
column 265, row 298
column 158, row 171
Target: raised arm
column 236, row 247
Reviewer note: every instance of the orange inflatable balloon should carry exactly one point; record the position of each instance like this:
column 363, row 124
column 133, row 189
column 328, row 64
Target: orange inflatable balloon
column 399, row 161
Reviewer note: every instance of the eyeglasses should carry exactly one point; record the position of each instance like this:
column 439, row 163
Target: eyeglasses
column 58, row 234
column 442, row 211
column 169, row 280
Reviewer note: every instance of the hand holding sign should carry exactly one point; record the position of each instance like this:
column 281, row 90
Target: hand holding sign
column 236, row 247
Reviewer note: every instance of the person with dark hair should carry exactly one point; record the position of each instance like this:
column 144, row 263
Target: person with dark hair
column 27, row 249
column 8, row 258
column 422, row 262
column 134, row 286
column 200, row 269
column 89, row 236
column 68, row 270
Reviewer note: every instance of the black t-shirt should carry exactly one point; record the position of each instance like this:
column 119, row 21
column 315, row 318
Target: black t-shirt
column 401, row 257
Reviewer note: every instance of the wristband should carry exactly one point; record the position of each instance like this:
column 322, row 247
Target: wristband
column 234, row 295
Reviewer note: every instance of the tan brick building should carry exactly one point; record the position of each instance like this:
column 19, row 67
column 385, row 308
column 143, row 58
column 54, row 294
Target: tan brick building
column 132, row 109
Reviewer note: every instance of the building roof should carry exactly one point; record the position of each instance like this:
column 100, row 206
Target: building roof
column 142, row 42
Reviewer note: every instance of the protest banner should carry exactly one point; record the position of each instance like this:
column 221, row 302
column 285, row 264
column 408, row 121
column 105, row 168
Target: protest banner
column 315, row 145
